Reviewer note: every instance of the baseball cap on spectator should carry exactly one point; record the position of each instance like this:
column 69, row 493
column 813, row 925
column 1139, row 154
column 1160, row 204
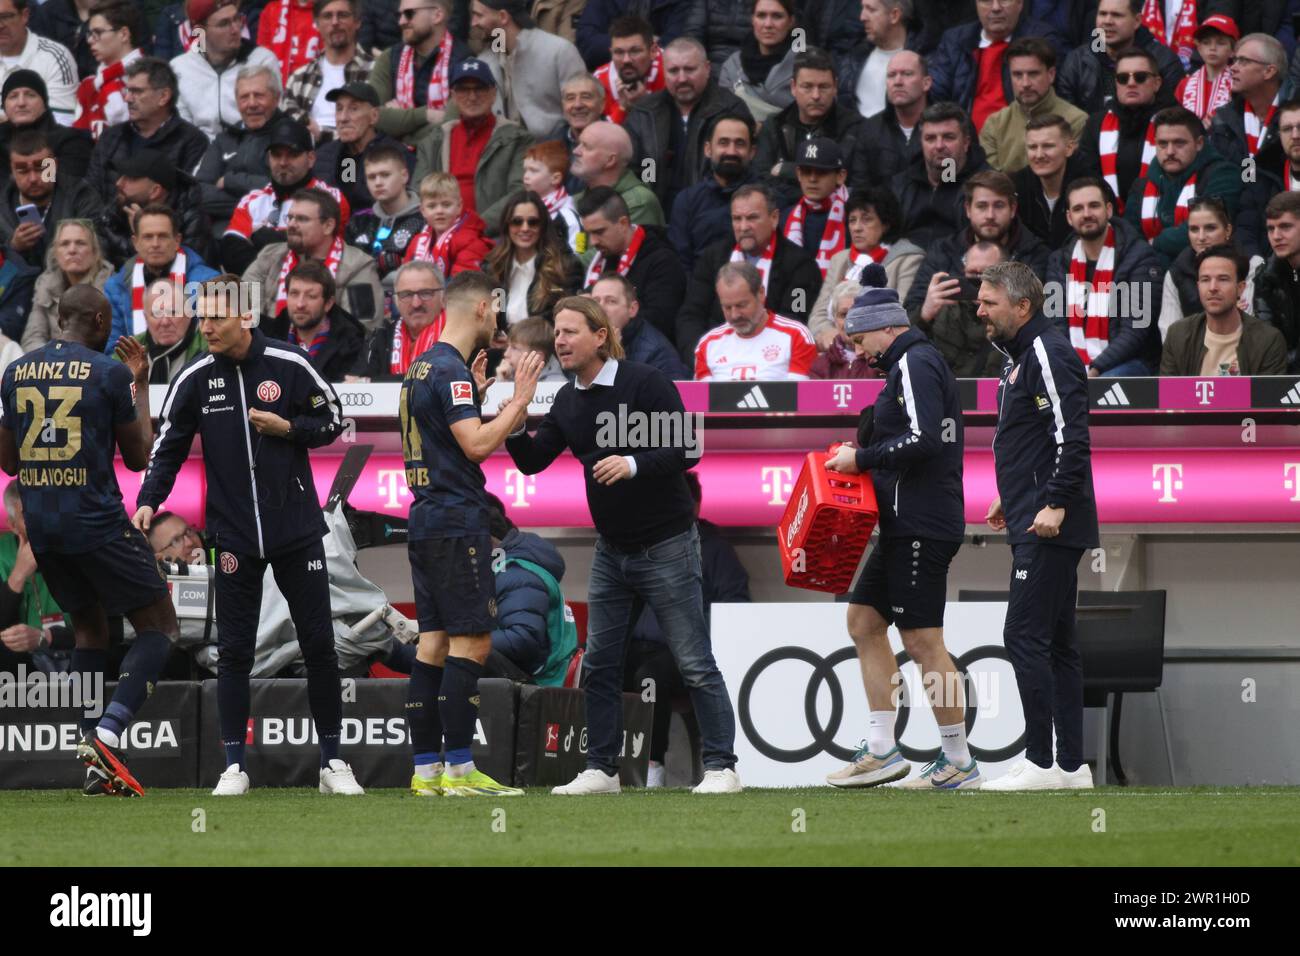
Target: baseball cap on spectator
column 150, row 164
column 25, row 80
column 819, row 153
column 471, row 69
column 875, row 309
column 200, row 10
column 518, row 10
column 1223, row 24
column 358, row 91
column 291, row 133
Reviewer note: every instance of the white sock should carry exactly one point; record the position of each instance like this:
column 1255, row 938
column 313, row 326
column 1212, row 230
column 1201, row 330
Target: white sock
column 108, row 737
column 880, row 732
column 428, row 770
column 460, row 769
column 952, row 737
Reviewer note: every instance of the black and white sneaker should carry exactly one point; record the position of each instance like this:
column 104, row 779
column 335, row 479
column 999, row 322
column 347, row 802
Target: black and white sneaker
column 97, row 784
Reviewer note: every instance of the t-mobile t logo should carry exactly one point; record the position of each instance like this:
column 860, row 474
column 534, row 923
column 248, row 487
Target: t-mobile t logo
column 1204, row 391
column 1167, row 479
column 777, row 482
column 521, row 486
column 843, row 392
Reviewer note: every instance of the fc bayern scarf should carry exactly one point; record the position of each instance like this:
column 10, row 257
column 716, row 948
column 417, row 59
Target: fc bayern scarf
column 407, row 348
column 597, row 268
column 1183, row 41
column 436, row 97
column 1089, row 306
column 1195, row 97
column 424, row 248
column 832, row 235
column 1108, row 150
column 99, row 98
column 293, row 50
column 176, row 276
column 1151, row 225
column 332, row 261
column 764, row 264
column 607, row 76
column 555, row 201
column 861, row 260
column 1255, row 130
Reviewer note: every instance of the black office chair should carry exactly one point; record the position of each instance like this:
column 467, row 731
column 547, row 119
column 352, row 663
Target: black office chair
column 1122, row 644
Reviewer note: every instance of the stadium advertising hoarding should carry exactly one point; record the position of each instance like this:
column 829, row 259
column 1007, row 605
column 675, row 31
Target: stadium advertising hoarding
column 794, row 681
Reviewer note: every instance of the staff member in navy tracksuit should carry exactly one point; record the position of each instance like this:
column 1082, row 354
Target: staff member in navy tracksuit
column 1044, row 472
column 912, row 445
column 258, row 405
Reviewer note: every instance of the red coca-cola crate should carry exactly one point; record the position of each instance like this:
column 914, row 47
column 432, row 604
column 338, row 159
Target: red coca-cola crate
column 826, row 526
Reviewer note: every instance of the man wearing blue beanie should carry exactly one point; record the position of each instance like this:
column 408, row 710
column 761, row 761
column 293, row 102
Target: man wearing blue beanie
column 911, row 443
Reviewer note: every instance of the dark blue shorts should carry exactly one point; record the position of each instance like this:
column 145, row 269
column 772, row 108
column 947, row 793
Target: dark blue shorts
column 121, row 576
column 455, row 589
column 906, row 580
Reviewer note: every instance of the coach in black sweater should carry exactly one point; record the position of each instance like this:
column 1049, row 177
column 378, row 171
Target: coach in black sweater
column 611, row 418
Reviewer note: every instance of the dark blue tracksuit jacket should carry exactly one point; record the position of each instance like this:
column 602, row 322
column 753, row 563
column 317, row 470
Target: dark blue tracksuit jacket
column 261, row 499
column 915, row 455
column 1041, row 446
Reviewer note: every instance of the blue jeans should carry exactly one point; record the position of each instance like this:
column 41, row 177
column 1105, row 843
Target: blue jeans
column 1134, row 368
column 668, row 577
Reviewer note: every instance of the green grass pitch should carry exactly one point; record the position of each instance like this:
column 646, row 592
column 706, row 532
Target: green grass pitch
column 269, row 827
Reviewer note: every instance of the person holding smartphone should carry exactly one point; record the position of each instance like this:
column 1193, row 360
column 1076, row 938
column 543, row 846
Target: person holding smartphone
column 34, row 197
column 955, row 328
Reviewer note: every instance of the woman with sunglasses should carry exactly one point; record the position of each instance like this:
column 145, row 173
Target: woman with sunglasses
column 529, row 261
column 1208, row 225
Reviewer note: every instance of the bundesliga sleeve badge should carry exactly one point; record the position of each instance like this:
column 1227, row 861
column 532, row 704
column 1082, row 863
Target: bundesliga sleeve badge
column 462, row 393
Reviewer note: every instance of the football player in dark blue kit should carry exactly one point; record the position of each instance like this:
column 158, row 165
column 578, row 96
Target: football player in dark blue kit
column 67, row 406
column 444, row 442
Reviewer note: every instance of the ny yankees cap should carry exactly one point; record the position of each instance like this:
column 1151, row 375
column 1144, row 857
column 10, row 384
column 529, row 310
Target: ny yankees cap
column 819, row 153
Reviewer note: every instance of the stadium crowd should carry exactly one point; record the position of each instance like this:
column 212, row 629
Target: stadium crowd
column 347, row 157
column 721, row 177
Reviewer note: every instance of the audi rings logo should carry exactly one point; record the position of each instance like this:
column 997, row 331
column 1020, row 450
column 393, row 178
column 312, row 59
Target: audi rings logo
column 357, row 399
column 823, row 735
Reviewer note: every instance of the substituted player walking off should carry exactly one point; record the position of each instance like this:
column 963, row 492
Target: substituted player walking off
column 911, row 442
column 71, row 405
column 444, row 443
column 258, row 405
column 1043, row 461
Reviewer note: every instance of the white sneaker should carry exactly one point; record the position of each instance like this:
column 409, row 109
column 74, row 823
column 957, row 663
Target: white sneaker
column 1080, row 779
column 589, row 782
column 233, row 783
column 338, row 778
column 1026, row 775
column 719, row 781
column 656, row 775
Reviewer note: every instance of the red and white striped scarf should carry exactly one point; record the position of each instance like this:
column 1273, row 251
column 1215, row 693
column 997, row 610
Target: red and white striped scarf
column 288, row 48
column 555, row 201
column 436, row 98
column 1108, row 150
column 597, row 268
column 1089, row 306
column 188, row 34
column 1290, row 180
column 764, row 264
column 859, row 260
column 99, row 98
column 1151, row 225
column 1255, row 130
column 424, row 248
column 833, row 235
column 332, row 261
column 407, row 349
column 176, row 276
column 1184, row 39
column 1195, row 98
column 607, row 76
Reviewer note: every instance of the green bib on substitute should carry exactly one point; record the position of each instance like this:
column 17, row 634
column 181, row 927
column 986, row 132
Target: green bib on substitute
column 561, row 629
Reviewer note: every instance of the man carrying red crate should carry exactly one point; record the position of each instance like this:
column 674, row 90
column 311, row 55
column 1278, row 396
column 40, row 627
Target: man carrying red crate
column 911, row 443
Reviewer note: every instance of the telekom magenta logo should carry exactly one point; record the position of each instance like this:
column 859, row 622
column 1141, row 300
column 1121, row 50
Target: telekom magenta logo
column 778, row 482
column 520, row 486
column 392, row 488
column 1168, row 478
column 1291, row 478
column 843, row 392
column 1205, row 391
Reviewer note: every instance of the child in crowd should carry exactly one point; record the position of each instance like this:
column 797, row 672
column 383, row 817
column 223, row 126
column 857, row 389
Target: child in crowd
column 454, row 236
